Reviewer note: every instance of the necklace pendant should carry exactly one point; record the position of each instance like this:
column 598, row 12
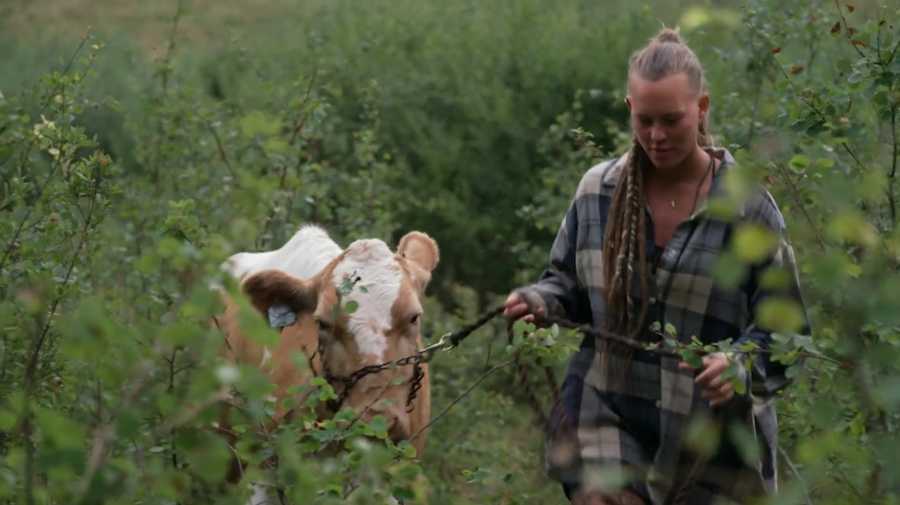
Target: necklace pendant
column 672, row 203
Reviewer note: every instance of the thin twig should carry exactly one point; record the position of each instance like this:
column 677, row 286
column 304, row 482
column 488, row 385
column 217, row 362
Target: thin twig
column 171, row 47
column 221, row 149
column 837, row 5
column 32, row 362
column 104, row 434
column 460, row 397
column 893, row 175
column 193, row 411
column 298, row 127
column 795, row 193
column 21, row 226
column 790, row 464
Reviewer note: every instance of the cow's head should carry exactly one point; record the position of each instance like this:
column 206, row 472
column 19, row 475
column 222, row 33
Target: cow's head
column 366, row 307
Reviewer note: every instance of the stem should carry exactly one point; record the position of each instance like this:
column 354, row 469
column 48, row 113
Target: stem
column 171, row 47
column 837, row 5
column 460, row 397
column 756, row 97
column 29, row 445
column 21, row 226
column 299, row 125
column 795, row 193
column 221, row 149
column 35, row 353
column 790, row 464
column 892, row 176
column 103, row 435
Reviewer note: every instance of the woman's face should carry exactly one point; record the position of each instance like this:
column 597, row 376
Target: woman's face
column 665, row 118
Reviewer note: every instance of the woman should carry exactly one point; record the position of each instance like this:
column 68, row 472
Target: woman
column 636, row 247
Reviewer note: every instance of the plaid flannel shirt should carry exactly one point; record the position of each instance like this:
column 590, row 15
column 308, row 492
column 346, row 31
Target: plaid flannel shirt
column 637, row 426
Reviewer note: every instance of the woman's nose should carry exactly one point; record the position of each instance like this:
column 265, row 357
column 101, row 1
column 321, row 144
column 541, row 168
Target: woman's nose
column 657, row 133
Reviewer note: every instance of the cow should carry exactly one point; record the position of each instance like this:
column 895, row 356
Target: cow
column 309, row 285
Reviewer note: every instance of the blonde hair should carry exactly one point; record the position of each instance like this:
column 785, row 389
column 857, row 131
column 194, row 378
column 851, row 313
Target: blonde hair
column 624, row 242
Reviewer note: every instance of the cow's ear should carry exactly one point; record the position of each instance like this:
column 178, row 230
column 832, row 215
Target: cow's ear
column 422, row 253
column 420, row 249
column 274, row 287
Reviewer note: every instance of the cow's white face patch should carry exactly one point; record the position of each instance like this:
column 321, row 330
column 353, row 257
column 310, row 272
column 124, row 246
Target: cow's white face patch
column 379, row 277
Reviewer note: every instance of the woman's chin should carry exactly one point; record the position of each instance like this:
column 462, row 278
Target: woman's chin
column 664, row 160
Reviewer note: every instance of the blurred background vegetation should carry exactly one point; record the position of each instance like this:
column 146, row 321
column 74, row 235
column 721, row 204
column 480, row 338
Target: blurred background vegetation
column 141, row 143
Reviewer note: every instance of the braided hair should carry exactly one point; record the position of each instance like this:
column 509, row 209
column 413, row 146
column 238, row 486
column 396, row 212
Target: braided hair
column 624, row 243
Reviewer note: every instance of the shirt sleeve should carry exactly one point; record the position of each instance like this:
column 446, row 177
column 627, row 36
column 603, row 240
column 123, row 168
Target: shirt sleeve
column 767, row 375
column 558, row 286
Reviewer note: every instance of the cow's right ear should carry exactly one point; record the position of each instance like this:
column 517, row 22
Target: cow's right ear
column 422, row 251
column 274, row 287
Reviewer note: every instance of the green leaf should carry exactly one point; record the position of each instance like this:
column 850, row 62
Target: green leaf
column 60, row 429
column 351, row 306
column 780, row 314
column 7, row 420
column 691, row 358
column 703, row 435
column 753, row 243
column 799, row 163
column 746, row 443
column 671, row 330
column 260, row 123
column 853, row 227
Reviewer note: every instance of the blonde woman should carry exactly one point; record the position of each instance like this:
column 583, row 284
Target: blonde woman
column 635, row 247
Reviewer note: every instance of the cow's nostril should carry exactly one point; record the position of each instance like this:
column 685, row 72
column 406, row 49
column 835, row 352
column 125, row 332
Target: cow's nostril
column 399, row 429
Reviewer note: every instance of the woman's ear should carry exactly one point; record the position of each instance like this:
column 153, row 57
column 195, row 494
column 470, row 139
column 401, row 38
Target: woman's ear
column 703, row 105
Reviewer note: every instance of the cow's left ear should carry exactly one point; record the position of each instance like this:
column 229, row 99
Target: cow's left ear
column 422, row 251
column 276, row 288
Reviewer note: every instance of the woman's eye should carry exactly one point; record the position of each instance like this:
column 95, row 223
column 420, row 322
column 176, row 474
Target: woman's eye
column 323, row 325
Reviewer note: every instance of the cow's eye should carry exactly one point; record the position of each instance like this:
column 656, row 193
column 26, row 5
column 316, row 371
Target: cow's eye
column 414, row 319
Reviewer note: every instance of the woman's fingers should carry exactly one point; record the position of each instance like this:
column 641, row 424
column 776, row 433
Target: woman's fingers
column 516, row 307
column 716, row 388
column 721, row 395
column 714, row 364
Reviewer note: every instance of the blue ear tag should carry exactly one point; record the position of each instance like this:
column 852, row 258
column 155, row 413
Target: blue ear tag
column 281, row 316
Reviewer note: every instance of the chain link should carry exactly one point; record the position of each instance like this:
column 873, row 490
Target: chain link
column 421, row 356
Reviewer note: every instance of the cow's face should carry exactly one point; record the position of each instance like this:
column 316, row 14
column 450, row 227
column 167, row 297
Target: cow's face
column 366, row 308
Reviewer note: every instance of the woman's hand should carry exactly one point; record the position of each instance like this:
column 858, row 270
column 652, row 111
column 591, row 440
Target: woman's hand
column 716, row 388
column 516, row 306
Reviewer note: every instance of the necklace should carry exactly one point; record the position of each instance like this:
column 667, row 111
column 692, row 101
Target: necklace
column 709, row 168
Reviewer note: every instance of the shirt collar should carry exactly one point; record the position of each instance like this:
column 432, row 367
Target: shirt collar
column 611, row 177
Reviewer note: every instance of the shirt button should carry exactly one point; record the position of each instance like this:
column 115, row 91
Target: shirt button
column 658, row 404
column 652, row 300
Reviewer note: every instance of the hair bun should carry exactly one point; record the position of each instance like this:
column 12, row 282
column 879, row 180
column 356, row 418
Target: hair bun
column 668, row 35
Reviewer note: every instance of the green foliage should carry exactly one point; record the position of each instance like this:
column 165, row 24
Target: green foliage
column 121, row 191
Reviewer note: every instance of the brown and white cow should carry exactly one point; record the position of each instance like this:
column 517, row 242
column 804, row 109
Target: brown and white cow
column 387, row 288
